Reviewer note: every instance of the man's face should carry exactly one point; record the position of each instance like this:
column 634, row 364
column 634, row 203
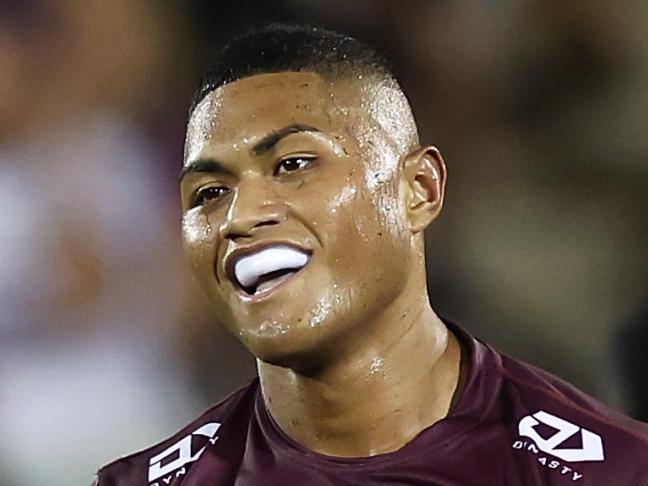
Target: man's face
column 295, row 171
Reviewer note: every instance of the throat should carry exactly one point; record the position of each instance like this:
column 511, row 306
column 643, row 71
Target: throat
column 362, row 414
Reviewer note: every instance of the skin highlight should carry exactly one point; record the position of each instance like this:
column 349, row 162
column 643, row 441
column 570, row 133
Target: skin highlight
column 352, row 359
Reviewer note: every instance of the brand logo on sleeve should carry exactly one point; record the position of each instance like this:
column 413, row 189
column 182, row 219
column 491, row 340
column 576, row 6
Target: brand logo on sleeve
column 170, row 463
column 553, row 438
column 591, row 448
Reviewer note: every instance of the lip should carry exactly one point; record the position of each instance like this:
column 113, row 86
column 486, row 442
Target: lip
column 233, row 256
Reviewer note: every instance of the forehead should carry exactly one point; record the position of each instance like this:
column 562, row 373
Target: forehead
column 253, row 106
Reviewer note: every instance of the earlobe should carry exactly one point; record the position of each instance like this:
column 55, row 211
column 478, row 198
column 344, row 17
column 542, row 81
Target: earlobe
column 425, row 173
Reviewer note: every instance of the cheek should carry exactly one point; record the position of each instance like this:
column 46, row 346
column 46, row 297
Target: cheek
column 197, row 238
column 344, row 198
column 372, row 212
column 382, row 181
column 356, row 232
column 390, row 210
column 369, row 242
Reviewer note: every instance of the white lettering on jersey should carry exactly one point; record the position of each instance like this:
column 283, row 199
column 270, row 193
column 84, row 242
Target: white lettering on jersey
column 181, row 449
column 592, row 445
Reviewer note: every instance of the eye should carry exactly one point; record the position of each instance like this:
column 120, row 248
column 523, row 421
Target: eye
column 208, row 194
column 292, row 164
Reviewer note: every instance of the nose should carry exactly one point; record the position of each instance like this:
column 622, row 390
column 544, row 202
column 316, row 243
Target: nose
column 252, row 206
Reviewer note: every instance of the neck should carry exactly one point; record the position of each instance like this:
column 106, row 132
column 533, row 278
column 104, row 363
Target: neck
column 378, row 398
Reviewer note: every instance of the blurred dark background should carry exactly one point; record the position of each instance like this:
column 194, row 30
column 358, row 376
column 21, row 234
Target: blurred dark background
column 539, row 107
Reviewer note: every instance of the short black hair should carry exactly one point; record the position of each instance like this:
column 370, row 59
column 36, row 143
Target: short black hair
column 281, row 47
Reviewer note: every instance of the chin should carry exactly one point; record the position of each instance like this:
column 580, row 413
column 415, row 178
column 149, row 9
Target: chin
column 288, row 349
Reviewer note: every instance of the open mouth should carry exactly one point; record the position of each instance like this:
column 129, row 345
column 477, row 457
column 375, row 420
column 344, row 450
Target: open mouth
column 269, row 281
column 259, row 273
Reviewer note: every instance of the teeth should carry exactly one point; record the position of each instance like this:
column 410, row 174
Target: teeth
column 250, row 268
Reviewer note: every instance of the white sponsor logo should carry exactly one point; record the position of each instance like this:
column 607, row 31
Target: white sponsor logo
column 180, row 454
column 591, row 444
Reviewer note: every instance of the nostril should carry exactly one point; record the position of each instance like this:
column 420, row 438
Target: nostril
column 266, row 223
column 233, row 234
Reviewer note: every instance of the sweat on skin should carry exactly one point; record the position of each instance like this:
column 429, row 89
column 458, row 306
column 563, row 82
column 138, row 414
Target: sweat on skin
column 352, row 359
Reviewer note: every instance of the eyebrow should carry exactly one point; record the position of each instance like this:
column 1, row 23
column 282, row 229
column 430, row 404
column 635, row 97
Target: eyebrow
column 272, row 138
column 203, row 165
column 261, row 147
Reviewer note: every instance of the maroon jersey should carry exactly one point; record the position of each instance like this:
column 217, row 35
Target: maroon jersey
column 512, row 425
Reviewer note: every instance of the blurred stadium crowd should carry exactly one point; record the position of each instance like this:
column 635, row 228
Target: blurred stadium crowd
column 539, row 107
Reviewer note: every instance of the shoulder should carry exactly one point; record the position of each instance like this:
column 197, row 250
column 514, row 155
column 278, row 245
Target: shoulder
column 552, row 416
column 184, row 447
column 551, row 429
column 535, row 387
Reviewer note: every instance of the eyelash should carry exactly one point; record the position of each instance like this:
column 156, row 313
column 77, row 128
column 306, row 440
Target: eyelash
column 200, row 199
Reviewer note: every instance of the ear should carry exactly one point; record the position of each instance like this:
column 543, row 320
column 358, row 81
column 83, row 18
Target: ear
column 425, row 175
